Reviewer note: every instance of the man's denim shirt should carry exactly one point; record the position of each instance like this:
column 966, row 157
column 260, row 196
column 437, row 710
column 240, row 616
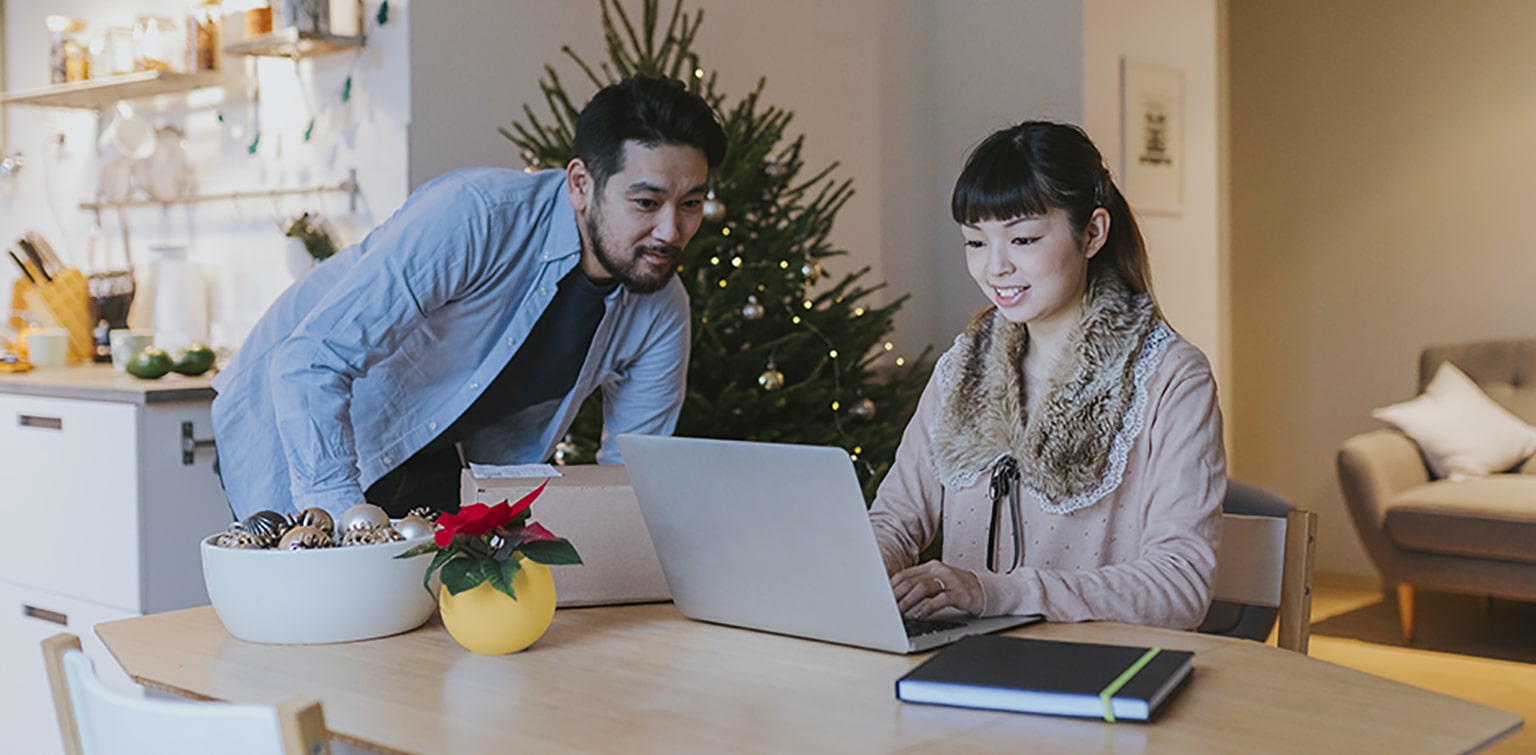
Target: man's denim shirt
column 365, row 360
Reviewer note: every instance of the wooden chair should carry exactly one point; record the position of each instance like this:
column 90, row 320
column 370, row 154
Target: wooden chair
column 96, row 720
column 1267, row 561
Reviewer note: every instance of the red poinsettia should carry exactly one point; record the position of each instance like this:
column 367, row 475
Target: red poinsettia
column 480, row 544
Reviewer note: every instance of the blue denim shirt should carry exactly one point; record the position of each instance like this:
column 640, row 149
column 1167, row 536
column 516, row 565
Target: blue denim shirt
column 365, row 360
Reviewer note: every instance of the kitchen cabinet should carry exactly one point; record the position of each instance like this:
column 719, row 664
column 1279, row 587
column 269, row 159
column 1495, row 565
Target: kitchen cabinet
column 105, row 492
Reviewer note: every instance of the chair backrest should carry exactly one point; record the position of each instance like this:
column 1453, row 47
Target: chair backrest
column 1267, row 561
column 96, row 720
column 1505, row 370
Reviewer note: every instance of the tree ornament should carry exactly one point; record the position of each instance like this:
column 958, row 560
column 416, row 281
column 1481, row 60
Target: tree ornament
column 303, row 538
column 565, row 452
column 363, row 515
column 371, row 536
column 266, row 526
column 863, row 409
column 714, row 209
column 753, row 310
column 316, row 517
column 772, row 167
column 412, row 527
column 771, row 379
column 811, row 272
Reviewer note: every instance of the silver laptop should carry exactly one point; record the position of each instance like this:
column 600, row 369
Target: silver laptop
column 775, row 537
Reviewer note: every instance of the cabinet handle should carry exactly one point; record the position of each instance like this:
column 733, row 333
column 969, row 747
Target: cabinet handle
column 46, row 423
column 189, row 444
column 46, row 615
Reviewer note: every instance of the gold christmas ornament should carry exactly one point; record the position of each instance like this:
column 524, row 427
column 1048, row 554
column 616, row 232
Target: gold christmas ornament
column 863, row 409
column 753, row 310
column 266, row 526
column 425, row 513
column 370, row 536
column 238, row 539
column 363, row 515
column 771, row 379
column 811, row 272
column 412, row 527
column 318, row 518
column 714, row 209
column 303, row 538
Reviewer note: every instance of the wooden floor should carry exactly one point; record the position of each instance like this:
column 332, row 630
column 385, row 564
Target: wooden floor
column 1506, row 685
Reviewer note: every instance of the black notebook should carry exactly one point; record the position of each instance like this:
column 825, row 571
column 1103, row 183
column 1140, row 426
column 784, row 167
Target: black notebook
column 1112, row 682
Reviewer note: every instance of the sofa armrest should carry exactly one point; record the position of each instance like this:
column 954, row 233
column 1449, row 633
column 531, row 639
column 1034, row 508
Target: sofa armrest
column 1373, row 468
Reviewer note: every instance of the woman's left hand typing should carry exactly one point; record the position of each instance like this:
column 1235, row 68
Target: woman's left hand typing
column 925, row 589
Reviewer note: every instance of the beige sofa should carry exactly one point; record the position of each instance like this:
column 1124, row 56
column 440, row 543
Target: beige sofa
column 1474, row 536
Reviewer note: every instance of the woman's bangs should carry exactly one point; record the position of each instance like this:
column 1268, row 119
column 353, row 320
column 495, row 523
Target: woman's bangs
column 996, row 187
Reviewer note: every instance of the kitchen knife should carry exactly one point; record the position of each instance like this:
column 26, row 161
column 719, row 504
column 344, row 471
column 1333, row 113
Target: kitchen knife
column 37, row 259
column 23, row 266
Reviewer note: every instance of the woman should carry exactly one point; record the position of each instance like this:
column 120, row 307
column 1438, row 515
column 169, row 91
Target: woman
column 1069, row 442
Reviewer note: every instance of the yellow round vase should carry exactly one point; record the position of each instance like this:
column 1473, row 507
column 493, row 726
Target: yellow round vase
column 485, row 620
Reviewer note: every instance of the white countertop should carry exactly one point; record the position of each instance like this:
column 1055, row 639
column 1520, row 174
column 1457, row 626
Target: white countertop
column 99, row 382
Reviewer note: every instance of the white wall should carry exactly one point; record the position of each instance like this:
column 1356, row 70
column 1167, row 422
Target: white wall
column 1187, row 267
column 238, row 242
column 1382, row 173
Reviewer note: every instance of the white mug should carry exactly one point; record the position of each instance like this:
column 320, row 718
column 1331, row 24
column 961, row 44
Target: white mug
column 48, row 348
column 127, row 344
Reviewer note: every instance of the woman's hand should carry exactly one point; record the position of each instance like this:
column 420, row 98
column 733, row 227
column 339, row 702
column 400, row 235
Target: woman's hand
column 924, row 589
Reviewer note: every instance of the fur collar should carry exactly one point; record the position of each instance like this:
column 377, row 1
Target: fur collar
column 1064, row 451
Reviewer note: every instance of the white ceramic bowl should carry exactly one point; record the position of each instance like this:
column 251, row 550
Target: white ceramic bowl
column 316, row 596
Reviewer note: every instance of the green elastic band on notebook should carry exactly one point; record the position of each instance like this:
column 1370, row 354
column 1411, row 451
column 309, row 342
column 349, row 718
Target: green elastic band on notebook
column 1120, row 681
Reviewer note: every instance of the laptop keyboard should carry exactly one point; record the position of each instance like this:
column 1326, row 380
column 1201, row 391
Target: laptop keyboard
column 917, row 627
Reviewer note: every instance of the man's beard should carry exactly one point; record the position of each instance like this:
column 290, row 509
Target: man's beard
column 631, row 272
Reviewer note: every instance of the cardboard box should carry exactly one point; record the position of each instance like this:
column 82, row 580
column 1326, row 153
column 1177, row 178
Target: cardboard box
column 594, row 507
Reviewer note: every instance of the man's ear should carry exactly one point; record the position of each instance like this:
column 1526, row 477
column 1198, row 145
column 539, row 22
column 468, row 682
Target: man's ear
column 1096, row 233
column 579, row 185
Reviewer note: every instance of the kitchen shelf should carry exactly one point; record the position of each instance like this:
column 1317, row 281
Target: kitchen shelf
column 295, row 44
column 103, row 93
column 348, row 186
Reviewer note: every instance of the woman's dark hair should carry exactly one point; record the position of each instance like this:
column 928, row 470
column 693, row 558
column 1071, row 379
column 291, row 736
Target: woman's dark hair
column 651, row 111
column 1035, row 166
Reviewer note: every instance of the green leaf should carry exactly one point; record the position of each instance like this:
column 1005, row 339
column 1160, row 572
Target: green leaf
column 503, row 576
column 419, row 549
column 383, row 16
column 463, row 573
column 559, row 551
column 346, row 90
column 310, row 130
column 437, row 563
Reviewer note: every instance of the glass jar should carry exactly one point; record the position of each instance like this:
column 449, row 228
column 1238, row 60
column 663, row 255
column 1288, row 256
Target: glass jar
column 69, row 54
column 112, row 52
column 156, row 45
column 203, row 22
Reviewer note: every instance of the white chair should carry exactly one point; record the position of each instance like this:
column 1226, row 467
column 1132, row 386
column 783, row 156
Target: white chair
column 1268, row 561
column 96, row 720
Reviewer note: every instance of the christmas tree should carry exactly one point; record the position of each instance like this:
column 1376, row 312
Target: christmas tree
column 780, row 351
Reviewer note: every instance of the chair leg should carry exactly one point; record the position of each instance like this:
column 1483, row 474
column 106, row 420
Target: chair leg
column 1405, row 610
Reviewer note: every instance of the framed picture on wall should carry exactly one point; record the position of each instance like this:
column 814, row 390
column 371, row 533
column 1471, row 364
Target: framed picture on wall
column 1152, row 136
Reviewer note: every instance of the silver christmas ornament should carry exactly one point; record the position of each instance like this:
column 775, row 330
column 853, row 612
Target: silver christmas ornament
column 714, row 209
column 303, row 538
column 771, row 379
column 238, row 539
column 863, row 409
column 564, row 451
column 753, row 310
column 413, row 527
column 363, row 515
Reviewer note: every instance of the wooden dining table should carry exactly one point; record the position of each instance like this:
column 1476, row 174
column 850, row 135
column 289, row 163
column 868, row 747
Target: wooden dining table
column 642, row 679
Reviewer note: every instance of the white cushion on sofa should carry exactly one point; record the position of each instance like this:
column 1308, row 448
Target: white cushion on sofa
column 1461, row 431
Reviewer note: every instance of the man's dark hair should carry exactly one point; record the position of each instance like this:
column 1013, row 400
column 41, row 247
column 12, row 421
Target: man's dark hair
column 651, row 111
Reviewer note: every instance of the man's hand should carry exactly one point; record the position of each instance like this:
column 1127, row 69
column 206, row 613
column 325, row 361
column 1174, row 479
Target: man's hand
column 924, row 589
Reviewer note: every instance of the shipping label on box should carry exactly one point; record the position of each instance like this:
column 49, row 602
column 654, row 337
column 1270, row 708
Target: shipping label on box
column 594, row 507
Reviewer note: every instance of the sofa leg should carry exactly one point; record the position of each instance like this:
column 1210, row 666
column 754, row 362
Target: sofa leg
column 1405, row 610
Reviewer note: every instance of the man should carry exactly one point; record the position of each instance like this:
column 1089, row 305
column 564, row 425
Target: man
column 477, row 319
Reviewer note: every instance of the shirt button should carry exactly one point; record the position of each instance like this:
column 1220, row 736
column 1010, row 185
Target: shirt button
column 388, row 460
column 511, row 341
column 431, row 425
column 474, row 386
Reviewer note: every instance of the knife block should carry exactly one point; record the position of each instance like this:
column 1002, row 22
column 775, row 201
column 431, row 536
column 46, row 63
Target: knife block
column 63, row 302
